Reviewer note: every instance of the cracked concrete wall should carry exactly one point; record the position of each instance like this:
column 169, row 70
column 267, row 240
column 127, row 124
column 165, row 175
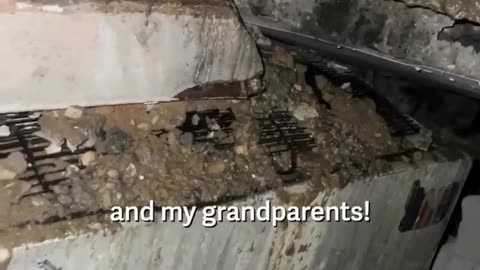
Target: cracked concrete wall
column 413, row 34
column 457, row 9
column 56, row 54
column 377, row 244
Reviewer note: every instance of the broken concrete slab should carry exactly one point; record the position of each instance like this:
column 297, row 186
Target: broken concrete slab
column 257, row 245
column 92, row 53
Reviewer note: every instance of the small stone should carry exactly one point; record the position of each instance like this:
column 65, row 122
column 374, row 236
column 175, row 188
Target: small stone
column 95, row 226
column 241, row 149
column 106, row 198
column 154, row 119
column 4, row 131
column 131, row 170
column 213, row 125
column 12, row 166
column 73, row 112
column 186, row 139
column 171, row 139
column 113, row 173
column 305, row 111
column 71, row 170
column 88, row 158
column 297, row 87
column 377, row 135
column 195, row 119
column 53, row 148
column 4, row 255
column 347, row 86
column 7, row 174
column 216, row 167
column 38, row 201
column 143, row 126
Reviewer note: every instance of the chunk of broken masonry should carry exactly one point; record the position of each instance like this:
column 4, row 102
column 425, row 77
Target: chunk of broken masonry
column 12, row 166
column 73, row 112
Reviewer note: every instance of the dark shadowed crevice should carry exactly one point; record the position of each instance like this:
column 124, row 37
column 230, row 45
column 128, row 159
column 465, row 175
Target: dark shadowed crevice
column 464, row 32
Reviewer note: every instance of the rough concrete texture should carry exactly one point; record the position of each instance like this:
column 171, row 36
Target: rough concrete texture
column 377, row 244
column 93, row 53
column 375, row 26
column 457, row 9
column 462, row 252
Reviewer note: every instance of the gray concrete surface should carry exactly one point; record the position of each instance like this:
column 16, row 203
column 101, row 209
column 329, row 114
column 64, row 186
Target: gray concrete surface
column 462, row 252
column 377, row 244
column 91, row 53
column 419, row 36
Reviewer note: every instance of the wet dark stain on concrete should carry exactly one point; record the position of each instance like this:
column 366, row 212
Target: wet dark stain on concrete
column 465, row 33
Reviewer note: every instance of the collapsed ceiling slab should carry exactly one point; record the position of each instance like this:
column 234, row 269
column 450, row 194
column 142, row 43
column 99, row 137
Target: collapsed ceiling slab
column 56, row 54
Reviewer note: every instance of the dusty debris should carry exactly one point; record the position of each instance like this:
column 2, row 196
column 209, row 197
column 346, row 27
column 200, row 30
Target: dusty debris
column 350, row 134
column 12, row 166
column 128, row 165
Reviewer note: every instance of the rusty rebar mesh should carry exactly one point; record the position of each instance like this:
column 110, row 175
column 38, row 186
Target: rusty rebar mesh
column 280, row 132
column 44, row 169
column 399, row 124
column 205, row 126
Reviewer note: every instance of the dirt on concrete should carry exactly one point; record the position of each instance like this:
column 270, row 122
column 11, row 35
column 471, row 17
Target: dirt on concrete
column 131, row 154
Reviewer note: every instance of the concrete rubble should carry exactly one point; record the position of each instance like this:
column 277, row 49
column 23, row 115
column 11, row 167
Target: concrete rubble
column 116, row 142
column 122, row 161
